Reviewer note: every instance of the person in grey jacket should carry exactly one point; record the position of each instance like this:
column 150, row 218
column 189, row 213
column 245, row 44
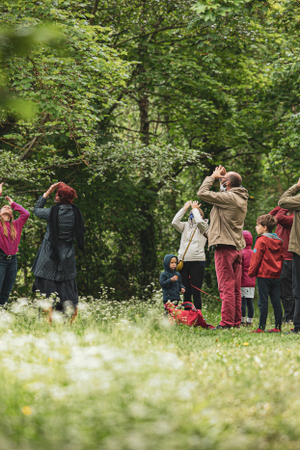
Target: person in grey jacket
column 192, row 273
column 54, row 267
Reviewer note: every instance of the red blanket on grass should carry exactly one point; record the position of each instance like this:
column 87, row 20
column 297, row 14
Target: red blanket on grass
column 188, row 316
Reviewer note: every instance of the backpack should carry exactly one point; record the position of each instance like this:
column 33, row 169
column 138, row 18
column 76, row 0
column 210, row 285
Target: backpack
column 190, row 315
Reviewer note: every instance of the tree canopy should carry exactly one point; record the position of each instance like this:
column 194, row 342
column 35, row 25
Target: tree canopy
column 133, row 103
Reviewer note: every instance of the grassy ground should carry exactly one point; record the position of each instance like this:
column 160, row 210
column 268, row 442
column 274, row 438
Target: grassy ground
column 122, row 377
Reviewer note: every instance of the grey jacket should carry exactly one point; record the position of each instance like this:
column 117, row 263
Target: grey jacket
column 289, row 200
column 44, row 266
column 196, row 249
column 227, row 216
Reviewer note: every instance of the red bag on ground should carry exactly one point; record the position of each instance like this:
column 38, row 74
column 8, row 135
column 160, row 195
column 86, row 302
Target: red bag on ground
column 189, row 316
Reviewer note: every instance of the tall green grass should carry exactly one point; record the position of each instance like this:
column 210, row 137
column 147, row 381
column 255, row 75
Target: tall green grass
column 123, row 377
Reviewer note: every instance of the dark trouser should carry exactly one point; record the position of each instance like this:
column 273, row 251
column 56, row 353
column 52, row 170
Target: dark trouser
column 269, row 287
column 296, row 288
column 247, row 303
column 192, row 273
column 286, row 291
column 8, row 273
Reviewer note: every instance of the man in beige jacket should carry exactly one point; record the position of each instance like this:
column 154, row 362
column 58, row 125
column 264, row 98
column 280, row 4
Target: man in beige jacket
column 226, row 235
column 289, row 200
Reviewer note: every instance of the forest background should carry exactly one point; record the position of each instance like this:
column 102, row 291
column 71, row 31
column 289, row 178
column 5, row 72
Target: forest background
column 133, row 103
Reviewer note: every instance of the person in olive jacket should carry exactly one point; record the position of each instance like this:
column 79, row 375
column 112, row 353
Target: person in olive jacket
column 170, row 280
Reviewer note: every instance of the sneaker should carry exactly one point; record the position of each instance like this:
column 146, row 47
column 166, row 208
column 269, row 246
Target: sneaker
column 258, row 330
column 274, row 330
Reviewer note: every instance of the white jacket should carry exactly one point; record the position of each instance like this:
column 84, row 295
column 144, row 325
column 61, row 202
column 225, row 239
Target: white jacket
column 196, row 249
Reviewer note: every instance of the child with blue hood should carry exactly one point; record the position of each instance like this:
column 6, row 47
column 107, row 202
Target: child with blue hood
column 170, row 280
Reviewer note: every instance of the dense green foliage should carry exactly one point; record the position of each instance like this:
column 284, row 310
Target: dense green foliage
column 133, row 103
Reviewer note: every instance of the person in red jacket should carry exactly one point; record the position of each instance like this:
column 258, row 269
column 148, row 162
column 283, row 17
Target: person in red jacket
column 285, row 220
column 248, row 284
column 266, row 265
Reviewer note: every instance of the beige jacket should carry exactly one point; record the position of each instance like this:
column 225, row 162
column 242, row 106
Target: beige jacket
column 227, row 216
column 292, row 202
column 196, row 249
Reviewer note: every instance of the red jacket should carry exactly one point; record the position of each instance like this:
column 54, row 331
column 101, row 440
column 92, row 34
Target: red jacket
column 283, row 229
column 266, row 261
column 247, row 253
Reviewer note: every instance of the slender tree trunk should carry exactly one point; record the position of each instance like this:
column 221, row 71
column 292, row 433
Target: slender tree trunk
column 147, row 235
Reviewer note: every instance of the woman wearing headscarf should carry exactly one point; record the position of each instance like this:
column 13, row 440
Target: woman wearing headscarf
column 10, row 236
column 54, row 267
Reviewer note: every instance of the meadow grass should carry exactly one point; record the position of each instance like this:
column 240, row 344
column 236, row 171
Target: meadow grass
column 123, row 377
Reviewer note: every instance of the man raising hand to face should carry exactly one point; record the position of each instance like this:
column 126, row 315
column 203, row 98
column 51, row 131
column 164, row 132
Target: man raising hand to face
column 226, row 226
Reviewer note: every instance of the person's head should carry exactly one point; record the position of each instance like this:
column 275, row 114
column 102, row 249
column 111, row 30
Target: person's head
column 170, row 262
column 6, row 215
column 265, row 224
column 65, row 194
column 173, row 263
column 231, row 180
column 248, row 238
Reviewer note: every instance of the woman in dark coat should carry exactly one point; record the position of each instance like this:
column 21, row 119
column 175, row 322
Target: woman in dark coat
column 54, row 267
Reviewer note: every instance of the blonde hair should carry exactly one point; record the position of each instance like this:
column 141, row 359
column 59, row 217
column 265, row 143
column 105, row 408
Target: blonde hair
column 13, row 232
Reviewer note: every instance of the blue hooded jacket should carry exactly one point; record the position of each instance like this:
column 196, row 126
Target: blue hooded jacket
column 171, row 289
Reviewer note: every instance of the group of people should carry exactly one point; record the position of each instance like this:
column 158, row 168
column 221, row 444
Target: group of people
column 54, row 267
column 274, row 263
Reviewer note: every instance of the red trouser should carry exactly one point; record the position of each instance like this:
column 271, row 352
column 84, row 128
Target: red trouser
column 228, row 262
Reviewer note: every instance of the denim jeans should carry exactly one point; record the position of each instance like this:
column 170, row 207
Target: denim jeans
column 269, row 287
column 247, row 303
column 8, row 273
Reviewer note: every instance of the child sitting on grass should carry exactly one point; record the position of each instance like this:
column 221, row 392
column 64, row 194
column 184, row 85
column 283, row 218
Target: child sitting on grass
column 266, row 265
column 170, row 280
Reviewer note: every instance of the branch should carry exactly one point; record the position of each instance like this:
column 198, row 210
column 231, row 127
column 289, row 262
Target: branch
column 30, row 146
column 170, row 27
column 94, row 12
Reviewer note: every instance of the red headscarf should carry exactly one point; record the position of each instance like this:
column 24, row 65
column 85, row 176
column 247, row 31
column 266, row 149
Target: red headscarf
column 66, row 193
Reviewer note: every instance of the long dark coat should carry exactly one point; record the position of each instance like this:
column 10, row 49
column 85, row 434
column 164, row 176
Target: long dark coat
column 44, row 266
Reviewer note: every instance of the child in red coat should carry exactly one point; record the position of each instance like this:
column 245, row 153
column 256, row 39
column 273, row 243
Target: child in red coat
column 248, row 284
column 266, row 265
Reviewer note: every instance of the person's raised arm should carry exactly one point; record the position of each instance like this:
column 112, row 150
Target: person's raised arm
column 200, row 222
column 176, row 222
column 222, row 199
column 289, row 200
column 274, row 211
column 24, row 214
column 39, row 210
column 284, row 219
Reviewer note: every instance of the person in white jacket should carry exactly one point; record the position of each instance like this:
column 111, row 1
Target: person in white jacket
column 193, row 269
